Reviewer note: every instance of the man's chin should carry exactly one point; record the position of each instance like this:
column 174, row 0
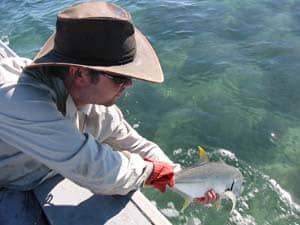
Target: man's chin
column 107, row 104
column 110, row 104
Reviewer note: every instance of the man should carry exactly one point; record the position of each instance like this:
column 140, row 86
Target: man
column 60, row 115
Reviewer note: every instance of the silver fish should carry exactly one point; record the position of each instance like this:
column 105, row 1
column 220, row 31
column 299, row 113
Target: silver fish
column 195, row 181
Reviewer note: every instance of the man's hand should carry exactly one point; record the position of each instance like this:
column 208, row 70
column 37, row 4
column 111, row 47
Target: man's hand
column 209, row 197
column 161, row 176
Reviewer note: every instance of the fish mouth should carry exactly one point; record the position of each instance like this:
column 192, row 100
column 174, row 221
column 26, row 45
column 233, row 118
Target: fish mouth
column 236, row 187
column 231, row 187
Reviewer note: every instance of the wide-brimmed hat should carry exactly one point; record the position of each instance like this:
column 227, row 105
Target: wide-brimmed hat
column 100, row 36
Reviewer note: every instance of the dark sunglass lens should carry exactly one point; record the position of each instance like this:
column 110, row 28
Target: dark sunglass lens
column 120, row 79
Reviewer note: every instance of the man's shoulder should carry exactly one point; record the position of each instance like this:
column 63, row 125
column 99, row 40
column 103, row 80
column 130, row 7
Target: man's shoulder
column 22, row 96
column 11, row 68
column 14, row 64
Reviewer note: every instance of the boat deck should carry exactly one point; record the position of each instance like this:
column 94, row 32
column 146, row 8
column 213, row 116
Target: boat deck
column 64, row 202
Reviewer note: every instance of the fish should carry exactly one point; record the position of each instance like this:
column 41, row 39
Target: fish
column 193, row 182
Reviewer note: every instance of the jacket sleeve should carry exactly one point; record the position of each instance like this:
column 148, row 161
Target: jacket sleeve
column 124, row 138
column 30, row 121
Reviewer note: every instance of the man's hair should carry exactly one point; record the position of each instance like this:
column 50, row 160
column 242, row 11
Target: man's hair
column 59, row 71
column 48, row 71
column 94, row 75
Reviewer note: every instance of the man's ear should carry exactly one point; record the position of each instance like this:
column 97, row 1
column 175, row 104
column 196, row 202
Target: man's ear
column 79, row 76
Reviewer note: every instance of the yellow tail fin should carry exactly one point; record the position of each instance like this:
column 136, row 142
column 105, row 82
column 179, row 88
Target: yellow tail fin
column 202, row 153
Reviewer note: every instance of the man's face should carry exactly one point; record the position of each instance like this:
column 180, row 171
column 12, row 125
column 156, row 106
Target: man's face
column 104, row 90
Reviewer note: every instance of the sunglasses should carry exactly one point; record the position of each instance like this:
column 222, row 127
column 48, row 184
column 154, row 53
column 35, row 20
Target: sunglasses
column 117, row 79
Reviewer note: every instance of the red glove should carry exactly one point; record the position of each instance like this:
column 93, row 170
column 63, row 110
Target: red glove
column 162, row 175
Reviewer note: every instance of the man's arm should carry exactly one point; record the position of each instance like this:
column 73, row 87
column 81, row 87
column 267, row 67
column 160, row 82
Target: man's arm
column 30, row 121
column 124, row 138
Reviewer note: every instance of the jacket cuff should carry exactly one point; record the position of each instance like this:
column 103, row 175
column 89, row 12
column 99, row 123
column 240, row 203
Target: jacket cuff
column 148, row 171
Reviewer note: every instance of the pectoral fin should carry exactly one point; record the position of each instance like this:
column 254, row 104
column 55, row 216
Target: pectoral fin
column 231, row 196
column 218, row 203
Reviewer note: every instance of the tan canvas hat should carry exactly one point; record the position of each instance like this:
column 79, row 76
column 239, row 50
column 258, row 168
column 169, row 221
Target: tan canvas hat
column 100, row 36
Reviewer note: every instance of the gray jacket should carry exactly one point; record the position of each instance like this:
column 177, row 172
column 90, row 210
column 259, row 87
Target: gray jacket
column 42, row 133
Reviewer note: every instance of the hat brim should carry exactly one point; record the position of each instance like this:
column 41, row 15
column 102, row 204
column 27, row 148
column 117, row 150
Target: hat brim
column 145, row 66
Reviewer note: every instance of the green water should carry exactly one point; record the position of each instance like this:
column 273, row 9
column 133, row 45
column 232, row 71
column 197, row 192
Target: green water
column 231, row 85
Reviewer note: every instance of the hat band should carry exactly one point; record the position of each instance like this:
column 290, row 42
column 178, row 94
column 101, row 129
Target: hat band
column 57, row 56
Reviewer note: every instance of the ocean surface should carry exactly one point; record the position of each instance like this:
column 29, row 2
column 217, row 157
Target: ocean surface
column 232, row 85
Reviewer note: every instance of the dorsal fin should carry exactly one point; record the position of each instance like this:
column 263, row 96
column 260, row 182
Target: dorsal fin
column 202, row 153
